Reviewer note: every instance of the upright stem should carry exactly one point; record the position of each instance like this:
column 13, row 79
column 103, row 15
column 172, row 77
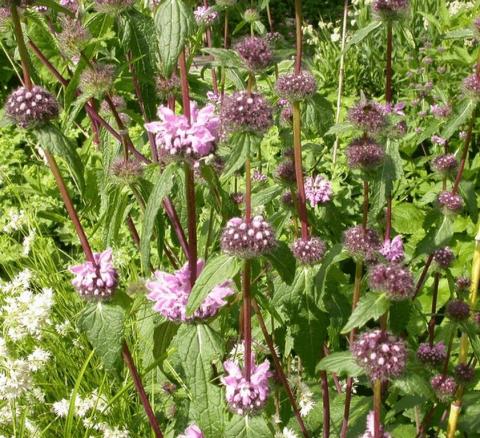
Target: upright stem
column 297, row 149
column 432, row 322
column 248, row 191
column 348, row 390
column 341, row 75
column 423, row 275
column 208, row 33
column 365, row 205
column 189, row 179
column 22, row 49
column 464, row 344
column 377, row 408
column 72, row 213
column 137, row 381
column 279, row 369
column 298, row 36
column 247, row 319
column 389, row 72
column 326, row 404
column 466, row 146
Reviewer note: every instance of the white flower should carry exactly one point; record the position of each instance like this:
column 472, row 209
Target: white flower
column 19, row 283
column 15, row 379
column 3, row 347
column 60, row 408
column 62, row 327
column 289, row 433
column 38, row 358
column 16, row 219
column 27, row 243
column 335, row 35
column 306, row 402
column 113, row 432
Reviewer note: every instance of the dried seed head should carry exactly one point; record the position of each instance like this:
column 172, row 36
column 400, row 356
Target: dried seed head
column 31, row 108
column 381, row 354
column 243, row 112
column 295, row 87
column 247, row 240
column 256, row 52
column 309, row 251
column 73, row 37
column 127, row 171
column 365, row 153
column 97, row 80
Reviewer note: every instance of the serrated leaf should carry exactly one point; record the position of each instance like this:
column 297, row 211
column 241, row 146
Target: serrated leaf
column 198, row 347
column 371, row 305
column 285, row 292
column 342, row 363
column 408, row 218
column 464, row 111
column 103, row 324
column 267, row 195
column 361, row 34
column 52, row 139
column 283, row 262
column 414, row 384
column 333, row 256
column 248, row 427
column 161, row 189
column 174, row 23
column 216, row 271
column 225, row 57
column 242, row 144
column 340, row 128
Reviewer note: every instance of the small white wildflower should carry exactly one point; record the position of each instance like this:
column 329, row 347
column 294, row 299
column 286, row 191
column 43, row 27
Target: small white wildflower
column 289, row 433
column 62, row 328
column 335, row 36
column 15, row 379
column 16, row 219
column 27, row 243
column 113, row 432
column 3, row 347
column 37, row 394
column 61, row 407
column 37, row 359
column 306, row 401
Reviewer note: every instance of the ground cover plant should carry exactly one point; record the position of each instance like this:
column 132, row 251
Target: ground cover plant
column 239, row 218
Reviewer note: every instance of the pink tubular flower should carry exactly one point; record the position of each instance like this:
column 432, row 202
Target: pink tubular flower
column 246, row 397
column 392, row 250
column 176, row 138
column 192, row 431
column 171, row 291
column 318, row 190
column 96, row 280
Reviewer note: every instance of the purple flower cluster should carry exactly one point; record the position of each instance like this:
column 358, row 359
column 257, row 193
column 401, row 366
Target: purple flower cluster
column 127, row 171
column 309, row 251
column 432, row 355
column 463, row 283
column 29, row 108
column 464, row 373
column 177, row 138
column 394, row 279
column 458, row 310
column 443, row 257
column 392, row 250
column 365, row 154
column 443, row 386
column 255, row 51
column 246, row 397
column 97, row 279
column 370, row 430
column 167, row 86
column 205, row 15
column 286, row 171
column 436, row 139
column 441, row 111
column 369, row 116
column 192, row 431
column 4, row 17
column 246, row 112
column 97, row 80
column 445, row 164
column 390, row 9
column 362, row 243
column 295, row 87
column 451, row 202
column 171, row 291
column 247, row 240
column 259, row 176
column 70, row 4
column 381, row 354
column 318, row 190
column 471, row 85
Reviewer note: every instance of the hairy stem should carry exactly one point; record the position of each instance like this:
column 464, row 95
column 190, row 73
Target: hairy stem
column 432, row 322
column 377, row 408
column 423, row 276
column 247, row 319
column 22, row 48
column 298, row 36
column 389, row 70
column 326, row 404
column 279, row 370
column 137, row 381
column 463, row 160
column 341, row 76
column 297, row 148
column 72, row 213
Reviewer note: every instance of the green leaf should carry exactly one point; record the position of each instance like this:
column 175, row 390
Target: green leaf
column 198, row 347
column 242, row 144
column 225, row 57
column 408, row 218
column 471, row 331
column 286, row 292
column 103, row 323
column 265, row 196
column 216, row 271
column 340, row 363
column 444, row 232
column 361, row 34
column 317, row 115
column 143, row 45
column 174, row 22
column 283, row 262
column 161, row 189
column 248, row 427
column 464, row 111
column 460, row 34
column 371, row 305
column 333, row 256
column 52, row 139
